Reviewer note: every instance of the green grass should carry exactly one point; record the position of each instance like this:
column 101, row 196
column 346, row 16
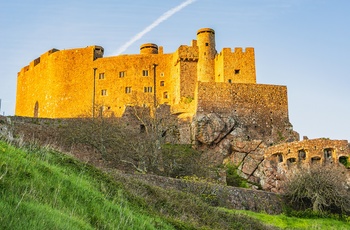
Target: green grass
column 284, row 222
column 42, row 189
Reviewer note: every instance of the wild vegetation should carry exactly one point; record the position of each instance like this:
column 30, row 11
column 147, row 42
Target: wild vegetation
column 319, row 189
column 42, row 187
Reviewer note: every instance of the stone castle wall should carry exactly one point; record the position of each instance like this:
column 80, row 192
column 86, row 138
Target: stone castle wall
column 236, row 67
column 81, row 82
column 260, row 111
column 57, row 84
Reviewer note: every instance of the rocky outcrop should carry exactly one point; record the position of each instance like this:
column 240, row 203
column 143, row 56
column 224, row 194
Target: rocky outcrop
column 217, row 136
column 212, row 128
column 225, row 139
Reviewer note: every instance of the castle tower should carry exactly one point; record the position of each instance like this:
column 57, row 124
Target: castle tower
column 149, row 48
column 206, row 56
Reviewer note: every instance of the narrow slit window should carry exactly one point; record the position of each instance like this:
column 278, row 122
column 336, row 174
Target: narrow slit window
column 127, row 89
column 122, row 74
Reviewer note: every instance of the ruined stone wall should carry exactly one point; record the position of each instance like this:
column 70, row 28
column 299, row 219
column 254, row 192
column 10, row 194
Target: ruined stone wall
column 316, row 151
column 283, row 160
column 260, row 111
column 235, row 67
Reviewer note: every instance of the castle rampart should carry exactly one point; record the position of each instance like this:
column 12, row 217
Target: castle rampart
column 260, row 110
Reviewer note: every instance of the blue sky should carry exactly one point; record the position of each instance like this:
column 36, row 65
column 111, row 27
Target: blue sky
column 303, row 44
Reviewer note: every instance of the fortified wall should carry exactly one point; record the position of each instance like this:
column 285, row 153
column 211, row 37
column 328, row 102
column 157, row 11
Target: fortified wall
column 213, row 95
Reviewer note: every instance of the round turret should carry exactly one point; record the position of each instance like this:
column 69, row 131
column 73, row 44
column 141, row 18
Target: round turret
column 206, row 55
column 149, row 48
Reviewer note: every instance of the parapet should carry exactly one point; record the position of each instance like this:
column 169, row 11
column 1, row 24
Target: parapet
column 205, row 30
column 149, row 48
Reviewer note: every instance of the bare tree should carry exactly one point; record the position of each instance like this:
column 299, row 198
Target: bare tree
column 322, row 188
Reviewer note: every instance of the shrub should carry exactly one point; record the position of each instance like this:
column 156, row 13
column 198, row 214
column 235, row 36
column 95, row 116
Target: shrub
column 320, row 189
column 233, row 178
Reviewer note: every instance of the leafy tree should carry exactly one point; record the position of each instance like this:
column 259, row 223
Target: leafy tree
column 320, row 189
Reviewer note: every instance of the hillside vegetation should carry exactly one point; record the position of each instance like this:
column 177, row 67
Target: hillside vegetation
column 41, row 188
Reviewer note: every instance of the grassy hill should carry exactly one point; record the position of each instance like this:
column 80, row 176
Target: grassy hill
column 43, row 189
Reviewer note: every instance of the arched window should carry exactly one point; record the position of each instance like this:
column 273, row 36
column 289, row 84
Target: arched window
column 302, row 154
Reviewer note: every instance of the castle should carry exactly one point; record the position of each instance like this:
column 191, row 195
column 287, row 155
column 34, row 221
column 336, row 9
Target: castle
column 215, row 90
column 69, row 83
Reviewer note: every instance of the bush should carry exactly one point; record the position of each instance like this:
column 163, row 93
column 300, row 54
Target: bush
column 232, row 177
column 321, row 189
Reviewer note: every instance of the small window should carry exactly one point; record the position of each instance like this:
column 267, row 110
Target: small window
column 237, row 71
column 291, row 160
column 278, row 157
column 162, row 74
column 229, row 80
column 328, row 153
column 145, row 73
column 165, row 95
column 302, row 154
column 122, row 74
column 101, row 76
column 147, row 89
column 162, row 83
column 206, row 44
column 104, row 92
column 127, row 89
column 315, row 160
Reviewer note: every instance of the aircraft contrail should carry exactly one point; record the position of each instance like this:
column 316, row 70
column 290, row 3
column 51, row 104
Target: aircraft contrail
column 162, row 18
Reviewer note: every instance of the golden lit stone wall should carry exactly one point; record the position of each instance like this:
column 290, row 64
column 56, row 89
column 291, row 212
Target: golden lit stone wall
column 261, row 111
column 236, row 67
column 206, row 55
column 56, row 84
column 70, row 83
column 129, row 80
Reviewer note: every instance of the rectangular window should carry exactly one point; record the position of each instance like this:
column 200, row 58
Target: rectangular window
column 229, row 80
column 122, row 74
column 101, row 76
column 147, row 89
column 237, row 71
column 162, row 83
column 145, row 73
column 104, row 92
column 165, row 95
column 127, row 89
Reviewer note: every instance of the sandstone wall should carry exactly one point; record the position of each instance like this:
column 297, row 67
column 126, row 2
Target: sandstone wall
column 235, row 67
column 57, row 84
column 260, row 111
